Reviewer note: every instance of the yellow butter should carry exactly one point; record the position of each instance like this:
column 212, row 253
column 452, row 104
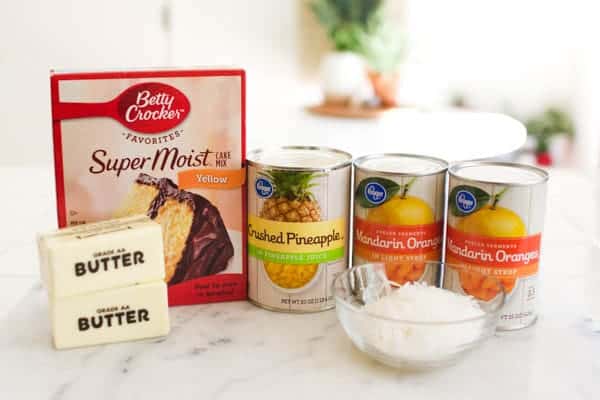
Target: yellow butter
column 101, row 256
column 128, row 313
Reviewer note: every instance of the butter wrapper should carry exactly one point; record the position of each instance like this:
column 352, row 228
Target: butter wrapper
column 116, row 315
column 100, row 256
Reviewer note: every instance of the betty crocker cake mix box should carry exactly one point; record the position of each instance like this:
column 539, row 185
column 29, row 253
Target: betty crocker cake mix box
column 166, row 143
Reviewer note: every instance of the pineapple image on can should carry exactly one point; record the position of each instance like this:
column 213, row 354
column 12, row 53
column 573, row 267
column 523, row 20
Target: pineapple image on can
column 292, row 201
column 399, row 214
column 298, row 211
column 495, row 221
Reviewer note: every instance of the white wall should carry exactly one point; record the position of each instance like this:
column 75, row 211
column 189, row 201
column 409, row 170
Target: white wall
column 261, row 36
column 511, row 54
column 586, row 99
column 37, row 35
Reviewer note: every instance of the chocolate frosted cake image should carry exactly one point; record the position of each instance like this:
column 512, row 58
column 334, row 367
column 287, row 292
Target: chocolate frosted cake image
column 196, row 242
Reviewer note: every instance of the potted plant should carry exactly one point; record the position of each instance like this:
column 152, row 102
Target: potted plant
column 384, row 50
column 348, row 24
column 546, row 128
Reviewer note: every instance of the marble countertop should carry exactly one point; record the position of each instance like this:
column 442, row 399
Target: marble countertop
column 236, row 350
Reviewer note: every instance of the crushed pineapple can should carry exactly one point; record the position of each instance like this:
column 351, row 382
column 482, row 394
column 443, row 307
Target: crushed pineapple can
column 495, row 221
column 298, row 223
column 399, row 213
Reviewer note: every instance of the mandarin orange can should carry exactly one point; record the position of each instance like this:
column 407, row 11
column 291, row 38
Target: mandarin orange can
column 494, row 229
column 399, row 204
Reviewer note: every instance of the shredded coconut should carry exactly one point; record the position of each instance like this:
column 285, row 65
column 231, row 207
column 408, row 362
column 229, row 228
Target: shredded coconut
column 419, row 302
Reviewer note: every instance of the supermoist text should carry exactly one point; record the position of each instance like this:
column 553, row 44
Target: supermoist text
column 165, row 158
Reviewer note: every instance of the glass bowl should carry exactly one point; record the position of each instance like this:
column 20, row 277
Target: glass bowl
column 412, row 344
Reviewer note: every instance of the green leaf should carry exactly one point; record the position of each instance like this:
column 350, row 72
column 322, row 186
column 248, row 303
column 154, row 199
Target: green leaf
column 553, row 121
column 481, row 196
column 390, row 186
column 384, row 48
column 348, row 22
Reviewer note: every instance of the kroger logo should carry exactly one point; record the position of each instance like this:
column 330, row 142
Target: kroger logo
column 465, row 201
column 264, row 188
column 375, row 193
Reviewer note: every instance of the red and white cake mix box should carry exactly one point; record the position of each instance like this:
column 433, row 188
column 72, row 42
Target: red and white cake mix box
column 166, row 143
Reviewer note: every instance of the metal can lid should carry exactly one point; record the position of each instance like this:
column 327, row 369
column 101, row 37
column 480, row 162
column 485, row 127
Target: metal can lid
column 300, row 158
column 499, row 173
column 401, row 164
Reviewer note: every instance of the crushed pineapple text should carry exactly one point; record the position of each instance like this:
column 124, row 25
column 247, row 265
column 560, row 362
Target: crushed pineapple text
column 294, row 238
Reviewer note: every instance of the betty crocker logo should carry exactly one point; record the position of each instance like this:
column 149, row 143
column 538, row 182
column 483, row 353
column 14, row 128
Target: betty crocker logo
column 149, row 108
column 152, row 107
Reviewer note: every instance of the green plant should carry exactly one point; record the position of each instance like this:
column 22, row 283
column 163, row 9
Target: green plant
column 384, row 49
column 552, row 122
column 348, row 22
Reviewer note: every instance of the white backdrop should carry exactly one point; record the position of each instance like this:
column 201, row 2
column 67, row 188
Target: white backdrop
column 515, row 56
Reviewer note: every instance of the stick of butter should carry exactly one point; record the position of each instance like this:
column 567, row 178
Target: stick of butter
column 102, row 255
column 127, row 313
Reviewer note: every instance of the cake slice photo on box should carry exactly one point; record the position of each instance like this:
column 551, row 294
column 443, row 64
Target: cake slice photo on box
column 196, row 242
